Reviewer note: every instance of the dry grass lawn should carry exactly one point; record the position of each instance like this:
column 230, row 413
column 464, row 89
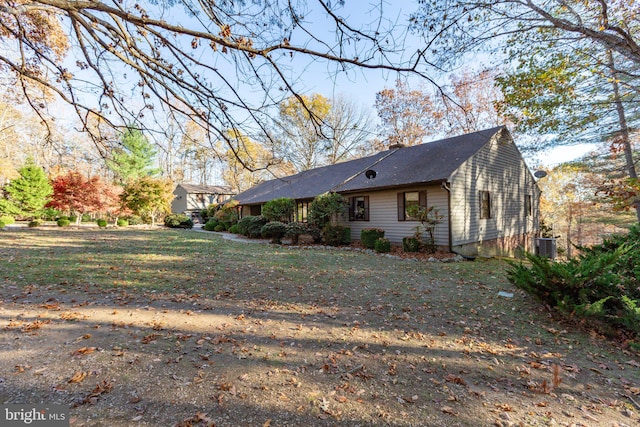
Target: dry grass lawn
column 134, row 327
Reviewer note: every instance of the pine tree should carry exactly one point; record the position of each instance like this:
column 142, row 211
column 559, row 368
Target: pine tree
column 135, row 158
column 31, row 192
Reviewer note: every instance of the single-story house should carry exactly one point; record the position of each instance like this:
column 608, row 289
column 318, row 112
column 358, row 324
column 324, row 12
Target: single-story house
column 478, row 182
column 192, row 199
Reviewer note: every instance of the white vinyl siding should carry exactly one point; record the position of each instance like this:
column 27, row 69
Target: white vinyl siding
column 499, row 169
column 383, row 213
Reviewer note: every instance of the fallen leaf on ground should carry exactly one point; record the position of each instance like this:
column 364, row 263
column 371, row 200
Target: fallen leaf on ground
column 77, row 377
column 83, row 351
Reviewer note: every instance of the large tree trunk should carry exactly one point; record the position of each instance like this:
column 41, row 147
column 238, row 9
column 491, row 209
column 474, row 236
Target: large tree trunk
column 623, row 133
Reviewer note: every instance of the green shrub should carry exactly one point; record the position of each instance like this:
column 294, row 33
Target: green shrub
column 101, row 223
column 73, row 218
column 211, row 224
column 602, row 284
column 411, row 244
column 63, row 222
column 346, row 236
column 227, row 213
column 333, row 235
column 315, row 233
column 251, row 226
column 294, row 230
column 36, row 223
column 368, row 237
column 63, row 217
column 50, row 214
column 279, row 210
column 235, row 229
column 7, row 219
column 178, row 221
column 220, row 228
column 85, row 218
column 122, row 222
column 134, row 220
column 275, row 230
column 382, row 245
column 325, row 209
column 2, row 223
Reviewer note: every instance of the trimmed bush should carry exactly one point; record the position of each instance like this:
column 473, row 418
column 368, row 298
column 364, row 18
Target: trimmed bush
column 50, row 214
column 279, row 210
column 275, row 230
column 63, row 222
column 2, row 224
column 411, row 244
column 122, row 222
column 368, row 237
column 135, row 220
column 36, row 223
column 178, row 221
column 220, row 228
column 73, row 218
column 211, row 224
column 294, row 230
column 235, row 229
column 346, row 236
column 7, row 219
column 251, row 226
column 382, row 246
column 102, row 223
column 333, row 235
column 85, row 218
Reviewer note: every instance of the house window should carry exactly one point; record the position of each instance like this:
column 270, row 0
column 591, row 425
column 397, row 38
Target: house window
column 255, row 210
column 528, row 206
column 408, row 199
column 359, row 208
column 302, row 209
column 485, row 205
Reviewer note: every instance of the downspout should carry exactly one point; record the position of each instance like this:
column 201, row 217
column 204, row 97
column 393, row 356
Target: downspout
column 446, row 186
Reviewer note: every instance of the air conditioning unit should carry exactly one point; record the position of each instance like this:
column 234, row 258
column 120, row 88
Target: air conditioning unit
column 546, row 247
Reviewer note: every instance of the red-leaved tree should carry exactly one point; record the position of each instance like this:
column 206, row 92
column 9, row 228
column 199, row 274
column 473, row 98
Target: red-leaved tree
column 77, row 194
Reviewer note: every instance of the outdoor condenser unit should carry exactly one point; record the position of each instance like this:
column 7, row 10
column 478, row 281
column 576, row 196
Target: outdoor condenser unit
column 546, row 247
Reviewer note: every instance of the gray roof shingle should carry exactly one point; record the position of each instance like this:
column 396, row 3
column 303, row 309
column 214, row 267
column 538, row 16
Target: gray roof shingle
column 430, row 162
column 206, row 189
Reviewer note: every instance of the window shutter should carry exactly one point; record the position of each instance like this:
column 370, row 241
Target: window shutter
column 366, row 208
column 401, row 207
column 352, row 208
column 422, row 199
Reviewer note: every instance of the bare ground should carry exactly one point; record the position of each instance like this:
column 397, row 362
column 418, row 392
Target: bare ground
column 371, row 341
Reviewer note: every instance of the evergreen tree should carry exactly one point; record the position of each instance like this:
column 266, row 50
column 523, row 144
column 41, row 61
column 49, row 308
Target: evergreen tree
column 134, row 158
column 31, row 192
